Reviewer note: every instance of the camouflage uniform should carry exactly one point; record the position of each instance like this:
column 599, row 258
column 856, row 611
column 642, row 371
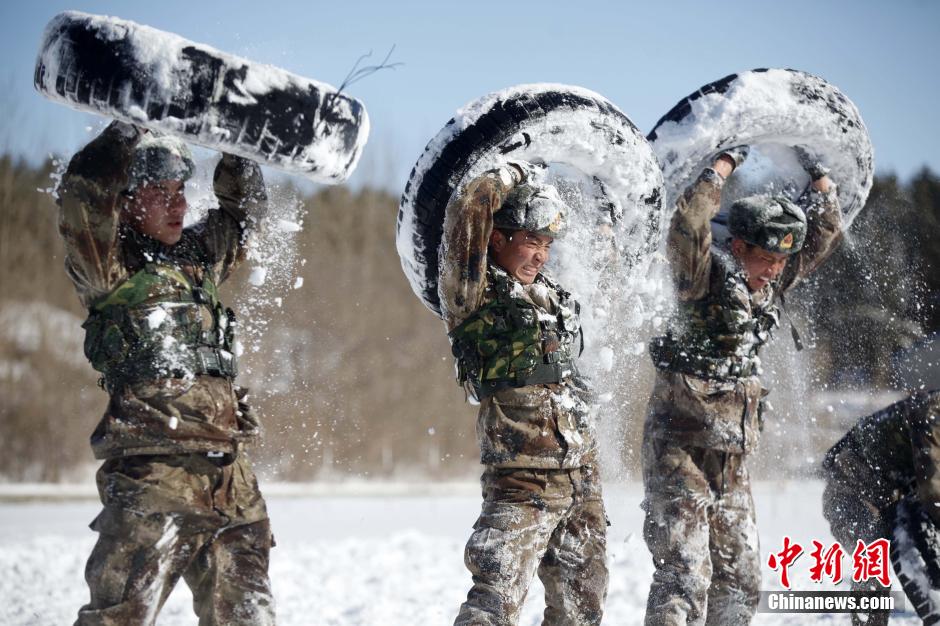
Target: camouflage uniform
column 179, row 495
column 542, row 506
column 704, row 415
column 888, row 456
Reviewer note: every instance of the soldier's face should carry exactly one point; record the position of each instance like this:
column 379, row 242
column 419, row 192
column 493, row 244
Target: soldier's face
column 760, row 266
column 522, row 253
column 157, row 210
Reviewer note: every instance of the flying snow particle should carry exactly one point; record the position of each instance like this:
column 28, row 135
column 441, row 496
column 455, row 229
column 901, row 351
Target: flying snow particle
column 258, row 275
column 287, row 226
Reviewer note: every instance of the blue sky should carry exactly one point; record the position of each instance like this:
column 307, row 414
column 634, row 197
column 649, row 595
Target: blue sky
column 642, row 56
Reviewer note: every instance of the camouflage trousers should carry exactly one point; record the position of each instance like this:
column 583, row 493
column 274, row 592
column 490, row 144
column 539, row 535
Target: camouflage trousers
column 701, row 531
column 534, row 520
column 179, row 515
column 858, row 505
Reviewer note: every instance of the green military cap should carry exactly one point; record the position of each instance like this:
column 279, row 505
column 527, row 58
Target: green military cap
column 535, row 207
column 774, row 223
column 159, row 157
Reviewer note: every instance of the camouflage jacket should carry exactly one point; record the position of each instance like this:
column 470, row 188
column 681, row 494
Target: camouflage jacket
column 172, row 415
column 720, row 409
column 894, row 452
column 545, row 426
column 512, row 341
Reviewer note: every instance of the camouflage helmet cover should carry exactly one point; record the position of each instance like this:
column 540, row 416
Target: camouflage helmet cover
column 159, row 157
column 774, row 223
column 535, row 207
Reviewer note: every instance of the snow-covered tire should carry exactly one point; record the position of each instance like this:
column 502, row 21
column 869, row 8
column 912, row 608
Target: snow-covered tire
column 161, row 81
column 915, row 555
column 762, row 107
column 574, row 128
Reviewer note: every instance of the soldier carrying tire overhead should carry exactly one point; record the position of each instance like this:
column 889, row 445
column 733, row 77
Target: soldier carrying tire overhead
column 179, row 495
column 704, row 414
column 516, row 336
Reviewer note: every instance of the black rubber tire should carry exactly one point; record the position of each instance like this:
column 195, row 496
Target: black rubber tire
column 915, row 556
column 498, row 134
column 93, row 63
column 840, row 136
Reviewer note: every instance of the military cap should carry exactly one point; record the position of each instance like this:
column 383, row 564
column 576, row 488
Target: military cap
column 535, row 207
column 159, row 157
column 774, row 223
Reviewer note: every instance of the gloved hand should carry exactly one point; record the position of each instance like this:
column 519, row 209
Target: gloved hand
column 128, row 132
column 524, row 171
column 737, row 154
column 235, row 161
column 810, row 163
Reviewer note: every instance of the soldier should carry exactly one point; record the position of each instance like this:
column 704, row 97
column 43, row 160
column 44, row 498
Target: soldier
column 178, row 492
column 516, row 336
column 704, row 412
column 889, row 456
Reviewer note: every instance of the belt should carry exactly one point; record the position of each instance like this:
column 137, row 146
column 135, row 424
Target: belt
column 203, row 360
column 220, row 458
column 541, row 374
column 666, row 357
column 215, row 362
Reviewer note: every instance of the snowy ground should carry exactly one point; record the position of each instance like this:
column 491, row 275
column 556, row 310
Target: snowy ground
column 374, row 555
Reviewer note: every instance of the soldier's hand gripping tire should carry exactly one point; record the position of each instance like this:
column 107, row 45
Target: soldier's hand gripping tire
column 539, row 124
column 769, row 109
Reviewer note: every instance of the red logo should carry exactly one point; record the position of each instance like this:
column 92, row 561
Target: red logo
column 784, row 559
column 828, row 563
column 869, row 561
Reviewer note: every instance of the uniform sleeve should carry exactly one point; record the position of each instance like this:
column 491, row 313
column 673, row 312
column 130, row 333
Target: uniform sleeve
column 688, row 245
column 468, row 223
column 823, row 234
column 924, row 420
column 243, row 202
column 89, row 199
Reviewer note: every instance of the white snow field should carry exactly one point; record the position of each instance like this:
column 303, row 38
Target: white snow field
column 379, row 555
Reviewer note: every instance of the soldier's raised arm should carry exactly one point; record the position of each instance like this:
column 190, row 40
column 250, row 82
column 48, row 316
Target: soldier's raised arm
column 468, row 223
column 823, row 225
column 243, row 202
column 90, row 201
column 688, row 246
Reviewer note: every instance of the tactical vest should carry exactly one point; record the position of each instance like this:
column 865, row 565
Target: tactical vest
column 154, row 326
column 510, row 342
column 720, row 335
